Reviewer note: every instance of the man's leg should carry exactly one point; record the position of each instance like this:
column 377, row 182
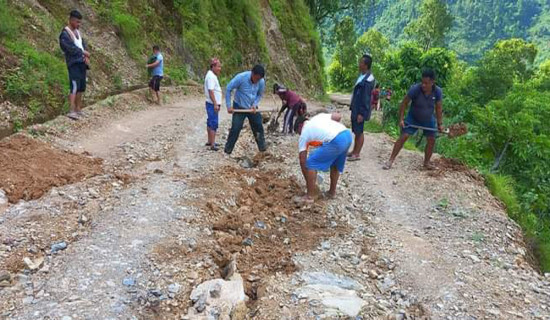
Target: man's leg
column 334, row 176
column 358, row 145
column 429, row 151
column 78, row 102
column 396, row 149
column 311, row 184
column 257, row 127
column 236, row 127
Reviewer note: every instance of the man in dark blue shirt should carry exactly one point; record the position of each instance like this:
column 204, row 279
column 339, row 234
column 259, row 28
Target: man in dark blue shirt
column 361, row 105
column 426, row 106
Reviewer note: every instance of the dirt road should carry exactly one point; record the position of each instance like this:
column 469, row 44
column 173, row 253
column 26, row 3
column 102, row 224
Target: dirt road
column 168, row 214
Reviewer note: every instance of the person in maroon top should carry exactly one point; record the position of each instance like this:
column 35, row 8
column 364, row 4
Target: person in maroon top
column 292, row 103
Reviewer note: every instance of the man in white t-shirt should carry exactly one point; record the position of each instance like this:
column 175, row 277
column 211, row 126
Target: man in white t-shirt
column 332, row 141
column 213, row 94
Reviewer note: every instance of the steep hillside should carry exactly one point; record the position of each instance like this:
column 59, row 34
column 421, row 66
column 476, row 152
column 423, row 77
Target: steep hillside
column 120, row 33
column 477, row 25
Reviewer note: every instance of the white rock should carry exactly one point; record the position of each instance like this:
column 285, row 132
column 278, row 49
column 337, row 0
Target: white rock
column 218, row 294
column 33, row 265
column 337, row 301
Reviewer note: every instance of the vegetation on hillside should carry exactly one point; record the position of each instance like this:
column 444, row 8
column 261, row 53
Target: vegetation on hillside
column 503, row 97
column 189, row 33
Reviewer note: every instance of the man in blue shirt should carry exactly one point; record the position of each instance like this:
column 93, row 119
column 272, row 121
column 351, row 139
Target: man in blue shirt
column 249, row 87
column 361, row 105
column 157, row 71
column 426, row 99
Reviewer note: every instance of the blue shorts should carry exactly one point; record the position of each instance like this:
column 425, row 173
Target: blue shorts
column 410, row 131
column 212, row 120
column 356, row 127
column 331, row 154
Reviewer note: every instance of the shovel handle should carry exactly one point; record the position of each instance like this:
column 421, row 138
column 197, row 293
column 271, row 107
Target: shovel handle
column 446, row 131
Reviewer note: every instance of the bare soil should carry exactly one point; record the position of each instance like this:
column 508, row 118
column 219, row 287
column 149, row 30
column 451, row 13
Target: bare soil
column 29, row 168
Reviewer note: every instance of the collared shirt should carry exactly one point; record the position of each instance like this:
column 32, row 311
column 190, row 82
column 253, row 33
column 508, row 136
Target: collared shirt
column 247, row 94
column 361, row 77
column 423, row 105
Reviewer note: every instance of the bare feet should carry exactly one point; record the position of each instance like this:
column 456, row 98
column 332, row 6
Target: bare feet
column 429, row 166
column 303, row 200
column 388, row 165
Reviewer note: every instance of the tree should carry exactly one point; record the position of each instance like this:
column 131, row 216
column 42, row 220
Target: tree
column 430, row 28
column 376, row 44
column 323, row 9
column 343, row 69
column 508, row 62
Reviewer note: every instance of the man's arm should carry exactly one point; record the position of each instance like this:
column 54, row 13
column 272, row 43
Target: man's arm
column 439, row 115
column 154, row 64
column 67, row 44
column 402, row 108
column 364, row 109
column 303, row 158
column 260, row 94
column 233, row 84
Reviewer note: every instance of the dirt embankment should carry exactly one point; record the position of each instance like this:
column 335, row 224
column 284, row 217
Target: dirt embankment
column 29, row 168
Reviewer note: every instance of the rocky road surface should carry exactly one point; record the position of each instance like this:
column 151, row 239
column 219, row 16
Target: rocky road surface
column 172, row 230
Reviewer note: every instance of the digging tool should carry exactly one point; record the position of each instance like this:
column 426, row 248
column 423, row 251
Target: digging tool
column 251, row 111
column 453, row 131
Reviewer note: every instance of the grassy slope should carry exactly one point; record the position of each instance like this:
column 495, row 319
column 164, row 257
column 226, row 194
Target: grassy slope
column 190, row 32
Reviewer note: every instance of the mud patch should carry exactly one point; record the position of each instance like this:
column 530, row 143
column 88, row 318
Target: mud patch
column 445, row 165
column 29, row 168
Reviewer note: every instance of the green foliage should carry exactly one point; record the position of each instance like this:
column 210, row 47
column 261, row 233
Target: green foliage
column 476, row 27
column 323, row 9
column 373, row 126
column 299, row 29
column 39, row 80
column 9, row 22
column 509, row 61
column 178, row 75
column 343, row 70
column 377, row 45
column 431, row 26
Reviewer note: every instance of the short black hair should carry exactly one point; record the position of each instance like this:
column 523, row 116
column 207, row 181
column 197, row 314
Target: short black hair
column 428, row 73
column 367, row 59
column 258, row 70
column 75, row 14
column 155, row 47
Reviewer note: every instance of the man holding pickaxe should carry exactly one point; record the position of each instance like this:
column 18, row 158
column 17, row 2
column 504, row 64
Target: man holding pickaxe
column 426, row 107
column 249, row 87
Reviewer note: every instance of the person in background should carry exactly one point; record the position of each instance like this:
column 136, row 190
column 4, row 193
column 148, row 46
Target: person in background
column 292, row 103
column 213, row 94
column 249, row 87
column 361, row 105
column 333, row 141
column 157, row 72
column 375, row 98
column 77, row 58
column 426, row 101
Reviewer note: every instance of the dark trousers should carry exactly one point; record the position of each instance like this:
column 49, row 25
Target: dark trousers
column 237, row 122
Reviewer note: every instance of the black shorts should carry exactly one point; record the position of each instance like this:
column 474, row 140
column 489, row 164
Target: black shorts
column 77, row 78
column 154, row 83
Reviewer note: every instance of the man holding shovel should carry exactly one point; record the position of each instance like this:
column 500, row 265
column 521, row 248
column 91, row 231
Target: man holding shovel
column 426, row 99
column 249, row 87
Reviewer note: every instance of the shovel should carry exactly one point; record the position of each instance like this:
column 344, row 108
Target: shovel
column 453, row 131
